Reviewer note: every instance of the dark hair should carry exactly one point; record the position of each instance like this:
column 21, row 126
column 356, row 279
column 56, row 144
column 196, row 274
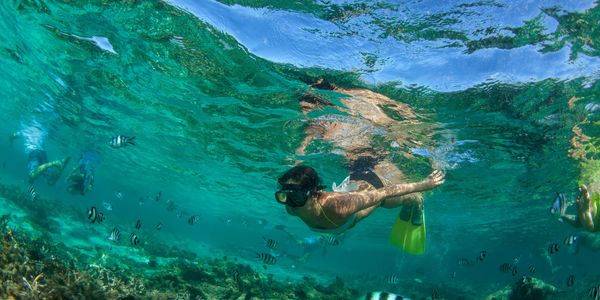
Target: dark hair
column 304, row 176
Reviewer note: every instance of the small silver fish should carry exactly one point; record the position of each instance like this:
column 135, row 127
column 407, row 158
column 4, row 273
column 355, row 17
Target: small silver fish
column 570, row 240
column 463, row 262
column 120, row 141
column 482, row 255
column 115, row 235
column 193, row 219
column 330, row 239
column 107, row 205
column 100, row 218
column 32, row 193
column 270, row 243
column 392, row 279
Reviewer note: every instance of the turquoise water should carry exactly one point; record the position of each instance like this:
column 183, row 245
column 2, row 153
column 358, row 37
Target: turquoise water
column 210, row 91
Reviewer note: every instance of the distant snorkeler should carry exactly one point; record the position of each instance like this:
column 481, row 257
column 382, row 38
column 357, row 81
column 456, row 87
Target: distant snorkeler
column 38, row 165
column 335, row 212
column 81, row 179
column 588, row 210
column 310, row 244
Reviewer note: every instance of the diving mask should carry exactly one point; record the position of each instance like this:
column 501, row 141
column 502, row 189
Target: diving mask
column 292, row 195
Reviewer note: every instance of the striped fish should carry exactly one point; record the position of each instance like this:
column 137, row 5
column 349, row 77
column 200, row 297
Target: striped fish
column 553, row 248
column 121, row 141
column 138, row 224
column 570, row 280
column 383, row 296
column 482, row 255
column 100, row 218
column 92, row 214
column 133, row 239
column 115, row 235
column 463, row 262
column 531, row 269
column 392, row 279
column 32, row 193
column 570, row 240
column 594, row 292
column 270, row 243
column 193, row 219
column 435, row 294
column 236, row 276
column 267, row 258
column 330, row 239
column 505, row 267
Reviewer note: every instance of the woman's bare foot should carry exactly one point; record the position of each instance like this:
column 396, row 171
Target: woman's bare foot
column 584, row 195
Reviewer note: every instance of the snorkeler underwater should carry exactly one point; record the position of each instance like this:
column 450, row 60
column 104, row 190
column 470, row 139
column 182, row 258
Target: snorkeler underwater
column 229, row 149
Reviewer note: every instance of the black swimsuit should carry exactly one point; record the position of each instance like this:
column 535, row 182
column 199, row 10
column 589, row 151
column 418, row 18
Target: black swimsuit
column 362, row 169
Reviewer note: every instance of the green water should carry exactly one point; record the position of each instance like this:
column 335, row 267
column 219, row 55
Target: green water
column 217, row 121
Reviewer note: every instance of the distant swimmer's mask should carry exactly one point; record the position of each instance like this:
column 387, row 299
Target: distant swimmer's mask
column 293, row 195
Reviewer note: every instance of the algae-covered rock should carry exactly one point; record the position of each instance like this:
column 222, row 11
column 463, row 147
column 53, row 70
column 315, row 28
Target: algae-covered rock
column 528, row 288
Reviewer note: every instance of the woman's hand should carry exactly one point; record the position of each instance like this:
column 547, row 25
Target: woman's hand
column 435, row 179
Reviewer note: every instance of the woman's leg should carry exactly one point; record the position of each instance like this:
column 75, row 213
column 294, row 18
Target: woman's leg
column 584, row 208
column 52, row 170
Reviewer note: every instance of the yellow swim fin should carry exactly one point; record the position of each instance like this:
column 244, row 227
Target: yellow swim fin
column 408, row 232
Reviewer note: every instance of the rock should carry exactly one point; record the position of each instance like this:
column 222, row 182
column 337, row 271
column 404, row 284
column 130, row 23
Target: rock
column 527, row 288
